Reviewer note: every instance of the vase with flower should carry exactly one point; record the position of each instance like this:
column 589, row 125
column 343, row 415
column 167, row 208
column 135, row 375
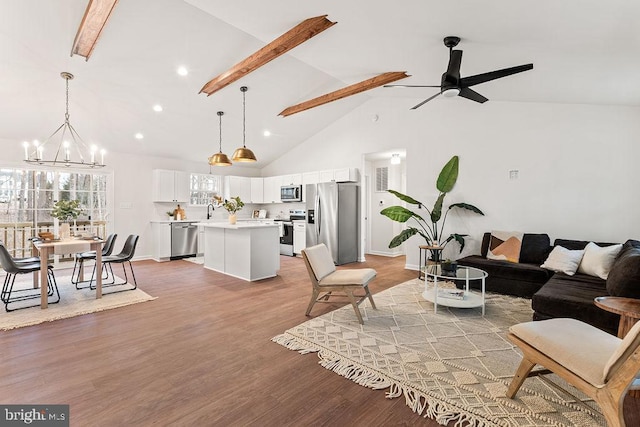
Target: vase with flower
column 66, row 211
column 233, row 206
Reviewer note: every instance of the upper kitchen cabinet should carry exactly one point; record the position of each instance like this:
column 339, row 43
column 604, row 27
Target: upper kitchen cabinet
column 272, row 186
column 340, row 175
column 238, row 186
column 293, row 179
column 257, row 190
column 310, row 178
column 170, row 186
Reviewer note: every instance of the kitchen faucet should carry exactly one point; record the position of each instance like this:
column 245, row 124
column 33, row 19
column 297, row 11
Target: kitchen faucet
column 212, row 208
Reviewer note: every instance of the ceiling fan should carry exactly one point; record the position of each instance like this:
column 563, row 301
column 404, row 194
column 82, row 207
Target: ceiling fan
column 453, row 85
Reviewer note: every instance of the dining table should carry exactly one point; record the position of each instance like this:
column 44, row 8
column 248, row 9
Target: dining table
column 68, row 246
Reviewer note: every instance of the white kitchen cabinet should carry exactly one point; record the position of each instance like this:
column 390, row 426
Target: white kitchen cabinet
column 299, row 237
column 161, row 232
column 272, row 189
column 293, row 179
column 200, row 240
column 170, row 186
column 346, row 175
column 238, row 186
column 257, row 190
column 326, row 176
column 340, row 175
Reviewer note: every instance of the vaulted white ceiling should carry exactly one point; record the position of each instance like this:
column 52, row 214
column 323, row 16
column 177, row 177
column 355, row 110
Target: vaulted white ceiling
column 583, row 51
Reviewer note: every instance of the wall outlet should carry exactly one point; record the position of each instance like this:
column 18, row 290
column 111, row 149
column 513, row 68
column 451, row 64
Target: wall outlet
column 513, row 174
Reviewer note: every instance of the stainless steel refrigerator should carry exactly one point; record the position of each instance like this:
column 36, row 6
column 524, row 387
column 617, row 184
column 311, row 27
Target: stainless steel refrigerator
column 333, row 218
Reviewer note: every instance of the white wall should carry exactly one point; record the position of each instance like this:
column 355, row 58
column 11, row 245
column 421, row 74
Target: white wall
column 576, row 163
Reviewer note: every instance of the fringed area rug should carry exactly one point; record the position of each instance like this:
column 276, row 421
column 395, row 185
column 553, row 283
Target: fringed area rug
column 72, row 303
column 451, row 366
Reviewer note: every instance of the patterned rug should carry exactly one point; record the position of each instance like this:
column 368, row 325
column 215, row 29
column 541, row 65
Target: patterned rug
column 72, row 303
column 451, row 366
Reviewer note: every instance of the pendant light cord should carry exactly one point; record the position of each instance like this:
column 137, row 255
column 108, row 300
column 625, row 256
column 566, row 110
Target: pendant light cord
column 244, row 117
column 220, row 127
column 66, row 114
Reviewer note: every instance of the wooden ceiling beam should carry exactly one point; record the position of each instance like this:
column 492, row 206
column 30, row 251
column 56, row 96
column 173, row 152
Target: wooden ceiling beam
column 93, row 22
column 379, row 80
column 292, row 38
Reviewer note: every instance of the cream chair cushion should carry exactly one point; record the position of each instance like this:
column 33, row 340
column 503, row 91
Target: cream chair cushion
column 359, row 276
column 628, row 346
column 581, row 348
column 320, row 260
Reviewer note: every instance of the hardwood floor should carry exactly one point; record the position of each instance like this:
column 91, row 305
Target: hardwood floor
column 200, row 355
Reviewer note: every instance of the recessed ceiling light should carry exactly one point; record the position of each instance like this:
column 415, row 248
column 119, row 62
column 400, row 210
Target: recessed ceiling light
column 266, row 133
column 182, row 71
column 139, row 135
column 157, row 108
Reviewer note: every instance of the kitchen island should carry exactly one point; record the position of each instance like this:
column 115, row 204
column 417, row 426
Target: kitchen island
column 248, row 251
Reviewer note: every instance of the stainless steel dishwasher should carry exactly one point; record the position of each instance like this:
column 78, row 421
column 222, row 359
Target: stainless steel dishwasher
column 184, row 240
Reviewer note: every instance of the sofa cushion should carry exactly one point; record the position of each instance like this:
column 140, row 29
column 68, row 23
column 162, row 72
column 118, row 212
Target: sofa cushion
column 535, row 248
column 563, row 260
column 505, row 245
column 624, row 277
column 597, row 261
column 572, row 296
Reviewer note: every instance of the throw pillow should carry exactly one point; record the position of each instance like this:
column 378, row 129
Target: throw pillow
column 597, row 261
column 563, row 260
column 624, row 277
column 505, row 245
column 535, row 248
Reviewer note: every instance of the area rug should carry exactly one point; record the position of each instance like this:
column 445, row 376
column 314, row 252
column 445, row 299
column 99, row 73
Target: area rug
column 455, row 365
column 72, row 303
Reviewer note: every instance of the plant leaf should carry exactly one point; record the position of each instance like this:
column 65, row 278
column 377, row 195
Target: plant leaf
column 400, row 214
column 467, row 206
column 448, row 175
column 405, row 198
column 436, row 212
column 404, row 235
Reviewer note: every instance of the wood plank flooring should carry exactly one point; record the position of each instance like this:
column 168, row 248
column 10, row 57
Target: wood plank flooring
column 199, row 355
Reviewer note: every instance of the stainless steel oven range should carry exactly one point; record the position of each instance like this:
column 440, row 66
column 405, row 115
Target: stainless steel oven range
column 286, row 230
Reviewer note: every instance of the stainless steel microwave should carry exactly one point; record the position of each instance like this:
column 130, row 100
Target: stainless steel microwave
column 291, row 193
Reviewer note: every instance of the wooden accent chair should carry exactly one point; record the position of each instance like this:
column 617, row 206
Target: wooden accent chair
column 600, row 365
column 326, row 279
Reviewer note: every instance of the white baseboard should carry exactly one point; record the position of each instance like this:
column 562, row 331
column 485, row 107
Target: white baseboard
column 411, row 267
column 387, row 254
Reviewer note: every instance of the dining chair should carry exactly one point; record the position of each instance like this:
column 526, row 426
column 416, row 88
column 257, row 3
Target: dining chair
column 81, row 257
column 124, row 257
column 14, row 267
column 600, row 365
column 326, row 279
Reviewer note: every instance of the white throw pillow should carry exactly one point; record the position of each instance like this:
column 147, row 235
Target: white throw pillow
column 563, row 260
column 597, row 261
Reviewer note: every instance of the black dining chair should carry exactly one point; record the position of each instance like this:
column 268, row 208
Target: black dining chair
column 14, row 267
column 124, row 257
column 81, row 257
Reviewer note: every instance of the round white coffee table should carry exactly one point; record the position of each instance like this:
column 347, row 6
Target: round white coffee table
column 458, row 298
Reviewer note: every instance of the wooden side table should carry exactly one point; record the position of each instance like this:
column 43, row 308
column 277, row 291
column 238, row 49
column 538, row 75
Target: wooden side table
column 629, row 311
column 627, row 308
column 424, row 255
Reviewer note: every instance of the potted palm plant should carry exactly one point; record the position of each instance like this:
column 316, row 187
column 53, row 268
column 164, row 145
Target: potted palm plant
column 431, row 228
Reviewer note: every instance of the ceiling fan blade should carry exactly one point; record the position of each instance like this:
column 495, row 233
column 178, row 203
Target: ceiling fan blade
column 409, row 86
column 426, row 100
column 492, row 75
column 453, row 70
column 471, row 94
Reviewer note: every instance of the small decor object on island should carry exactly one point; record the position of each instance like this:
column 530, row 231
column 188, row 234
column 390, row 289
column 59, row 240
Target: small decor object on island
column 430, row 231
column 179, row 214
column 233, row 206
column 66, row 211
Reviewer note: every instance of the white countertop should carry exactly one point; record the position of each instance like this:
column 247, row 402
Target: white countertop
column 236, row 226
column 167, row 221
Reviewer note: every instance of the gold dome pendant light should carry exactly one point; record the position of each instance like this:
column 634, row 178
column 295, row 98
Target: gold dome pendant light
column 243, row 154
column 220, row 159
